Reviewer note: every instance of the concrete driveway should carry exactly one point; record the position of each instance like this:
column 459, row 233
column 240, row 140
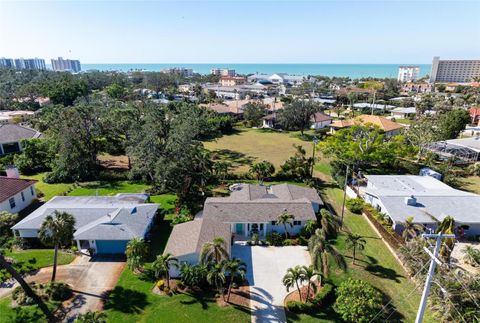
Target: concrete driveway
column 89, row 279
column 266, row 268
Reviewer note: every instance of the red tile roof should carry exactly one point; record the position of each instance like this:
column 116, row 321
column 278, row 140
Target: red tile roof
column 11, row 186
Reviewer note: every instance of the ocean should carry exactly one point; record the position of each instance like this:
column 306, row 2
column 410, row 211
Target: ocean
column 342, row 70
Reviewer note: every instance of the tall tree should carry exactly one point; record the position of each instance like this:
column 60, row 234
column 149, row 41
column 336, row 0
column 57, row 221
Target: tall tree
column 294, row 277
column 214, row 251
column 329, row 223
column 320, row 249
column 410, row 229
column 253, row 113
column 234, row 268
column 262, row 170
column 309, row 273
column 285, row 219
column 136, row 252
column 162, row 265
column 216, row 277
column 57, row 231
column 297, row 115
column 355, row 242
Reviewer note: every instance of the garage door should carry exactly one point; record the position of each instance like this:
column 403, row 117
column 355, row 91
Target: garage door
column 111, row 246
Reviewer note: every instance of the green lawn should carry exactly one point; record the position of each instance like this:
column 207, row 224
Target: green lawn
column 133, row 301
column 39, row 258
column 471, row 184
column 375, row 265
column 49, row 190
column 247, row 146
column 108, row 188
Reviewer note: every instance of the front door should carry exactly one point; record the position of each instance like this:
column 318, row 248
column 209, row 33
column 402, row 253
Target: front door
column 239, row 228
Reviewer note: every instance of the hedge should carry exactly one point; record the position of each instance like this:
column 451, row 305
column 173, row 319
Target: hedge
column 321, row 298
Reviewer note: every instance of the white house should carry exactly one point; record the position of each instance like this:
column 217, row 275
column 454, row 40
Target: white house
column 424, row 198
column 250, row 209
column 403, row 113
column 103, row 223
column 320, row 120
column 16, row 194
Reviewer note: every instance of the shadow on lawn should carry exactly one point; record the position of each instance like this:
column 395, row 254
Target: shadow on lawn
column 232, row 156
column 125, row 300
column 383, row 272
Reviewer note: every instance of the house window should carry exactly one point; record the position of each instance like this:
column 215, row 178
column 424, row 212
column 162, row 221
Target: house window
column 274, row 222
column 23, row 196
column 297, row 222
column 12, row 202
column 31, row 190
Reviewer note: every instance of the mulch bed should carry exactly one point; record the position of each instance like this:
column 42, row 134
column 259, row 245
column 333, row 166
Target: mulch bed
column 238, row 297
column 293, row 295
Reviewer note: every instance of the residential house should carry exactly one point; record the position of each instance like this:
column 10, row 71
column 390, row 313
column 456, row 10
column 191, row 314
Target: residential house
column 278, row 78
column 102, row 223
column 15, row 193
column 425, row 199
column 463, row 150
column 269, row 121
column 11, row 136
column 250, row 209
column 475, row 115
column 320, row 120
column 374, row 106
column 390, row 127
column 417, row 87
column 404, row 113
column 15, row 116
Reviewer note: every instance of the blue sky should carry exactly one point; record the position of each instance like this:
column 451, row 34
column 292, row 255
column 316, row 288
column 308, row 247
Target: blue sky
column 241, row 31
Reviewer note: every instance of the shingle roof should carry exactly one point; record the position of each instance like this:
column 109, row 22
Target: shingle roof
column 120, row 217
column 257, row 203
column 14, row 133
column 320, row 117
column 11, row 186
column 188, row 238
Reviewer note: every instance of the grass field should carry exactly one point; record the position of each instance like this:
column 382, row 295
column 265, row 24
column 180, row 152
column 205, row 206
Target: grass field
column 49, row 190
column 39, row 258
column 471, row 184
column 248, row 146
column 132, row 299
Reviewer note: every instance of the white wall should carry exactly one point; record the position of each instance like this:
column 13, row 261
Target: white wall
column 19, row 203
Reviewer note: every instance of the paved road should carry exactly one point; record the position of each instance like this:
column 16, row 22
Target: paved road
column 266, row 268
column 89, row 279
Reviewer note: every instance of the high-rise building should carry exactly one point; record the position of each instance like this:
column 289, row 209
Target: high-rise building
column 408, row 73
column 454, row 70
column 185, row 72
column 70, row 65
column 23, row 63
column 222, row 71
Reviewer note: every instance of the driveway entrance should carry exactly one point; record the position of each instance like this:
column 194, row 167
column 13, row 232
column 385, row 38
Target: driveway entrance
column 266, row 267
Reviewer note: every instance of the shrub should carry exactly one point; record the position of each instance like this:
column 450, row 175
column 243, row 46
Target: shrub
column 355, row 205
column 58, row 291
column 299, row 307
column 324, row 295
column 160, row 284
column 19, row 296
column 274, row 238
column 358, row 301
column 290, row 242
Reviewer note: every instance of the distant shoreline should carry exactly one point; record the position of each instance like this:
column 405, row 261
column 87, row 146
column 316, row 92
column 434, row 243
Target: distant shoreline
column 330, row 70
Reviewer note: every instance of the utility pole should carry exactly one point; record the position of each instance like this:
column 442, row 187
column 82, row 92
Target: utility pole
column 344, row 195
column 431, row 271
column 315, row 142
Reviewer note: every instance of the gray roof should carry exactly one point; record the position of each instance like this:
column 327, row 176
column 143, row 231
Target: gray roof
column 15, row 133
column 405, row 110
column 257, row 203
column 374, row 106
column 120, row 217
column 433, row 198
column 188, row 238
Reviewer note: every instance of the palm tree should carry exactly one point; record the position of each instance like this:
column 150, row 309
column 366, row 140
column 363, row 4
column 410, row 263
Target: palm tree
column 355, row 241
column 320, row 249
column 91, row 317
column 235, row 268
column 471, row 256
column 57, row 231
column 216, row 276
column 309, row 273
column 214, row 251
column 136, row 252
column 292, row 278
column 410, row 229
column 447, row 226
column 329, row 223
column 28, row 290
column 310, row 226
column 262, row 170
column 161, row 266
column 284, row 219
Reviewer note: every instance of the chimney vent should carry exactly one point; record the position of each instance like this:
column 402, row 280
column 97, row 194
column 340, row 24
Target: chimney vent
column 412, row 201
column 12, row 172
